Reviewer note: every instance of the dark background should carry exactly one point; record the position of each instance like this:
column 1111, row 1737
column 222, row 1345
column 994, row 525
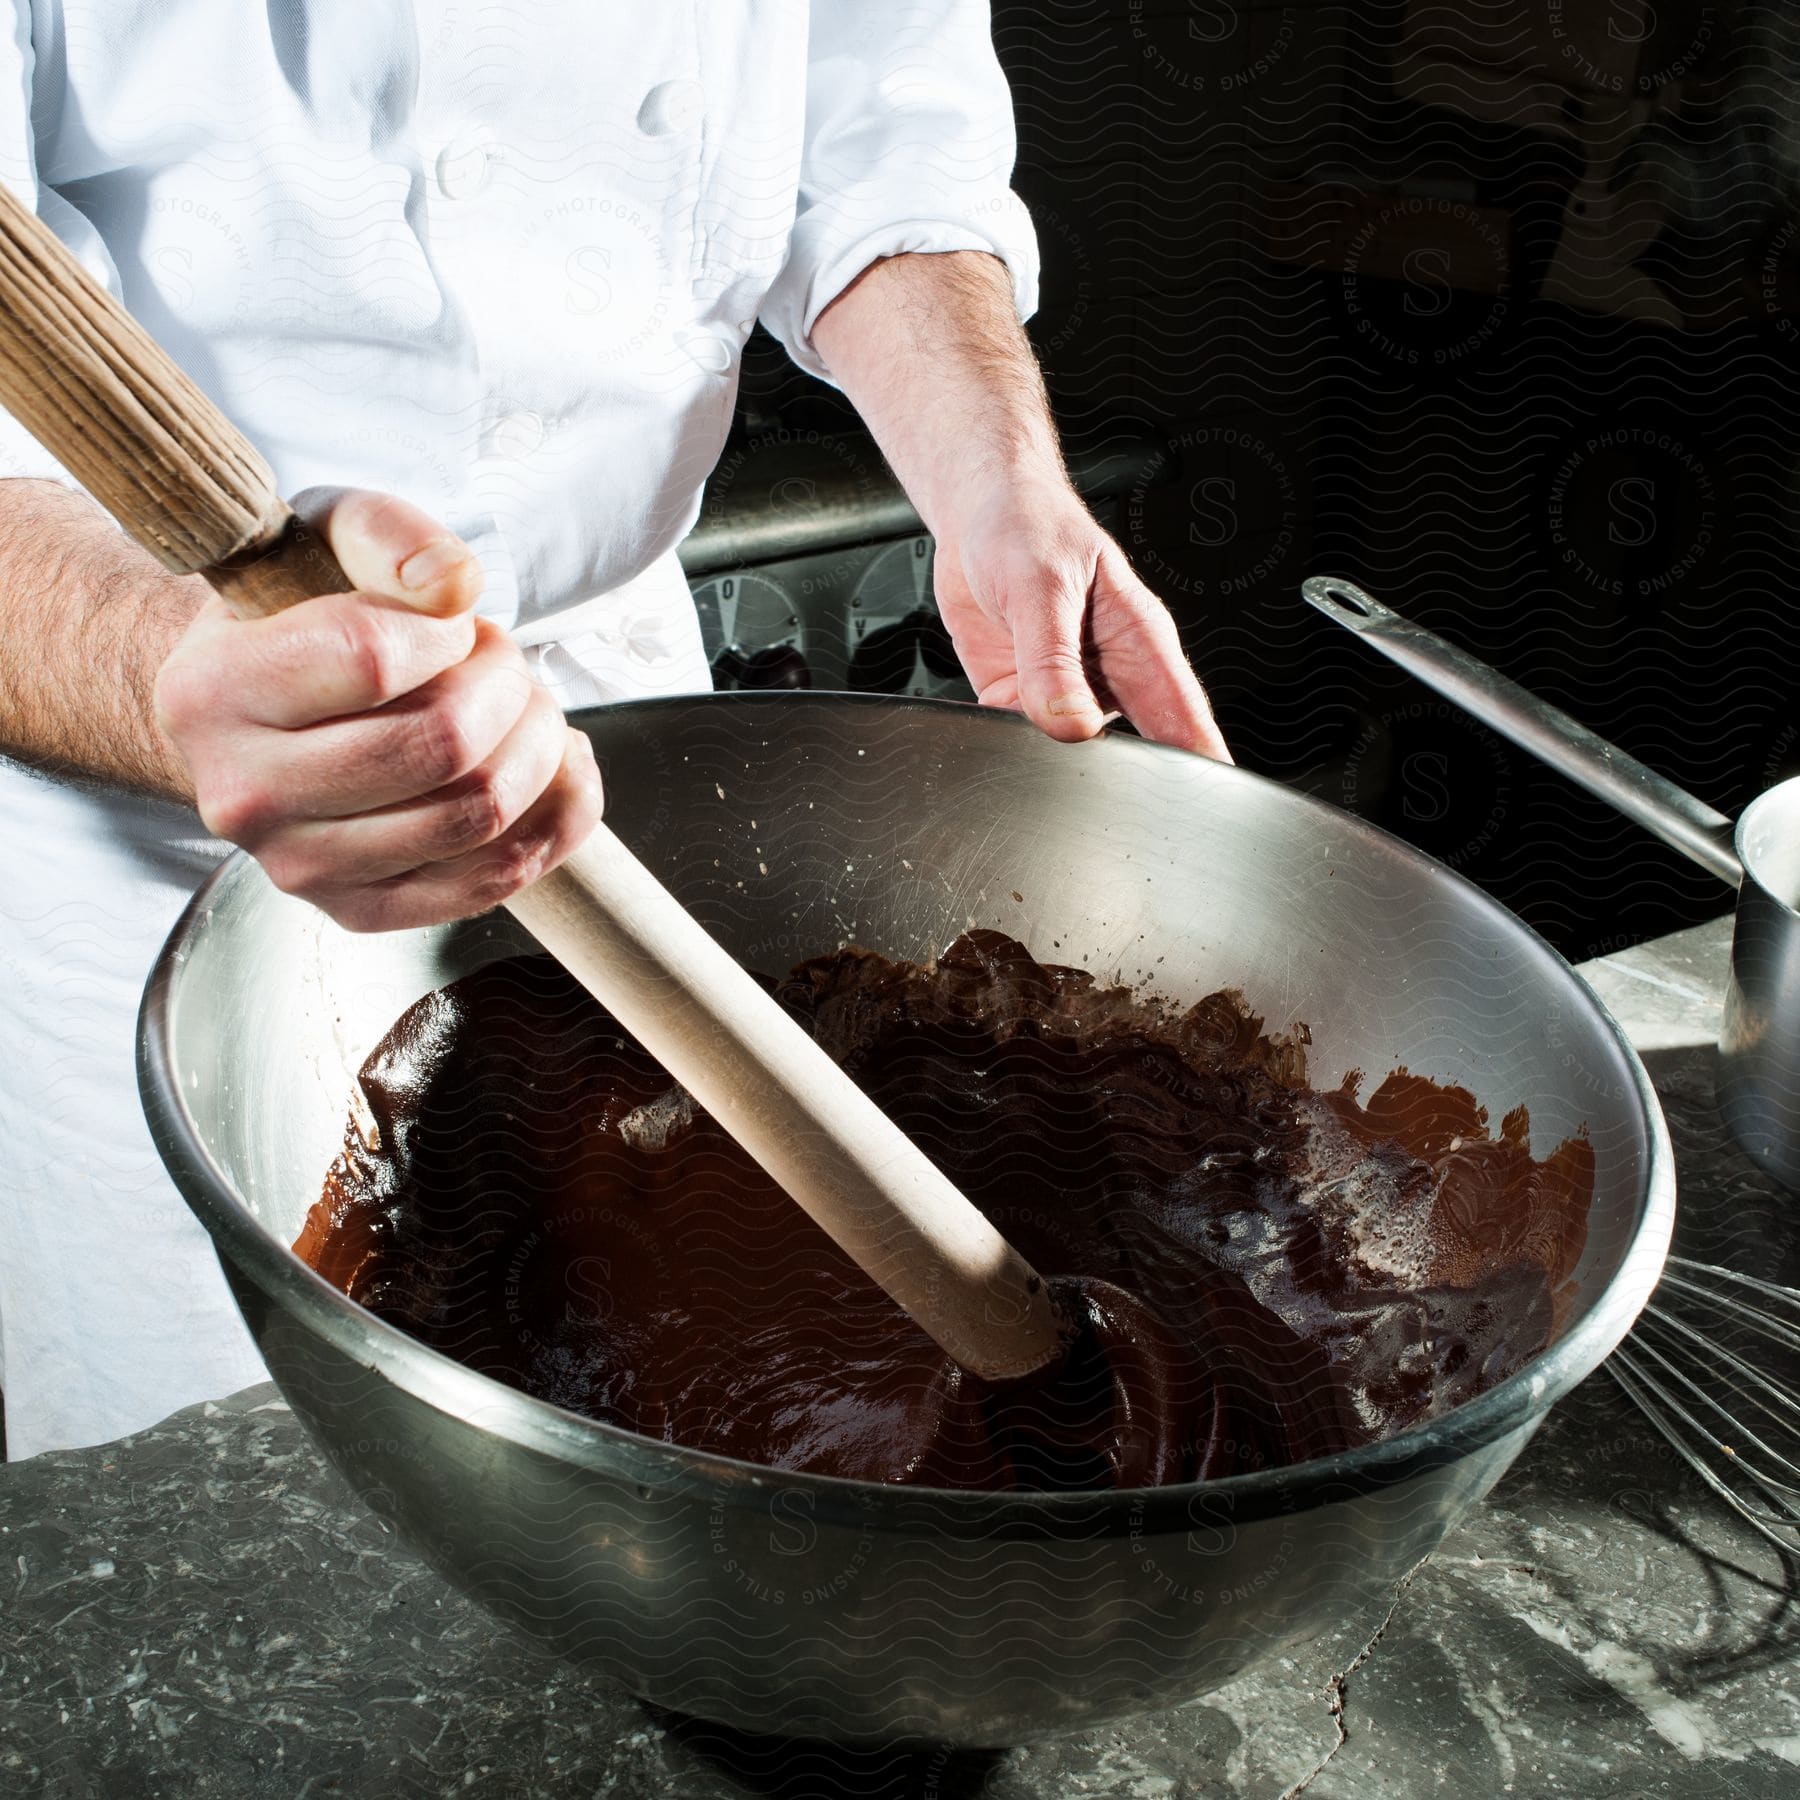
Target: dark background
column 1494, row 308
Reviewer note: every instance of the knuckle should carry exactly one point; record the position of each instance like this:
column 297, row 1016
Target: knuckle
column 368, row 653
column 516, row 863
column 590, row 789
column 479, row 812
column 240, row 812
column 497, row 640
column 539, row 699
column 383, row 517
column 1061, row 665
column 522, row 861
column 285, row 870
column 306, row 874
column 176, row 695
column 382, row 521
column 439, row 744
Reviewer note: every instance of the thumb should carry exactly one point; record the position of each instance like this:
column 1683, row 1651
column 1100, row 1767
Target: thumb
column 1046, row 612
column 389, row 547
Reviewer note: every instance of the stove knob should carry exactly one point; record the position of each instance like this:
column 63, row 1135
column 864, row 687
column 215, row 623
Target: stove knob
column 936, row 649
column 779, row 666
column 885, row 660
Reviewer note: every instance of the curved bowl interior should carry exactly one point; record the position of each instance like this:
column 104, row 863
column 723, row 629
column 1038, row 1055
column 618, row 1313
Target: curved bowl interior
column 791, row 824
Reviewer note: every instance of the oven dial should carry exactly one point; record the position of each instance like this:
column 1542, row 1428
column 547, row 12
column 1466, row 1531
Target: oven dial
column 752, row 632
column 895, row 641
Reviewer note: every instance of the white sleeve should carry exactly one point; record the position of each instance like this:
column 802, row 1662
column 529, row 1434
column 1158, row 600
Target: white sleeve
column 909, row 147
column 20, row 453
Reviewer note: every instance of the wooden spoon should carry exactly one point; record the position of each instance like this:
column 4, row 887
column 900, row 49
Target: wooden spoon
column 80, row 373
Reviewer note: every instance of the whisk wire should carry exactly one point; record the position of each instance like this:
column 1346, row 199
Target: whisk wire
column 1729, row 1434
column 1763, row 1324
column 1709, row 1431
column 1746, row 1382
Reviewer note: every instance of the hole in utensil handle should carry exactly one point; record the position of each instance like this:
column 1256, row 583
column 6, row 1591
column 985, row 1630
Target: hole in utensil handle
column 1343, row 600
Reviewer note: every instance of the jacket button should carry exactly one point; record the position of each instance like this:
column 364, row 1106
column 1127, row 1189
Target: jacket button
column 708, row 350
column 671, row 106
column 465, row 164
column 513, row 436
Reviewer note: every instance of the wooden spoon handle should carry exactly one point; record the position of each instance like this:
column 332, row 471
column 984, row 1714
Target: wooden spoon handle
column 626, row 939
column 86, row 379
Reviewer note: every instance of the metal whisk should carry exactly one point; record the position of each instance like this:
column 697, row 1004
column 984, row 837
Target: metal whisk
column 1693, row 1365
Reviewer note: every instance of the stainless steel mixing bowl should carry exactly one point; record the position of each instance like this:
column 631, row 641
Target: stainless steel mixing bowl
column 850, row 1610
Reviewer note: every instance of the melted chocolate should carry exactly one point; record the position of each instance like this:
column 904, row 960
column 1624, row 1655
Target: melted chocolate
column 1257, row 1272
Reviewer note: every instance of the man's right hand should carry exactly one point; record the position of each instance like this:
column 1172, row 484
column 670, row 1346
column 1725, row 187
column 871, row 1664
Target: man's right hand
column 384, row 753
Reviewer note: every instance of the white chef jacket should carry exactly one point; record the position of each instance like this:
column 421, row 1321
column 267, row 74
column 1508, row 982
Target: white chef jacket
column 500, row 261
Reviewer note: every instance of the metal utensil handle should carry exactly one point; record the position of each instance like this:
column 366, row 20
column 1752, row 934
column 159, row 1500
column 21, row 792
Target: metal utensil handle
column 104, row 398
column 1697, row 830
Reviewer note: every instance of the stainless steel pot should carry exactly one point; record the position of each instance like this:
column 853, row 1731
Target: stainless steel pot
column 1759, row 1040
column 851, row 1610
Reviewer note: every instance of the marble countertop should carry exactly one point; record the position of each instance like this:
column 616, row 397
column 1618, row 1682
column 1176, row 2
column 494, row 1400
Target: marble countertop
column 204, row 1609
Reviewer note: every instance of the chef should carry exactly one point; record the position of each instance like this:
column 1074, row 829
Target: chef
column 477, row 282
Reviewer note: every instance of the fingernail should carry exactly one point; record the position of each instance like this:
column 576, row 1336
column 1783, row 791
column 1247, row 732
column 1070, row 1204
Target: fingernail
column 436, row 560
column 1068, row 706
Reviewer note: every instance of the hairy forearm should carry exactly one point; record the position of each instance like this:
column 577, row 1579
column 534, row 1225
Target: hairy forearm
column 86, row 619
column 930, row 351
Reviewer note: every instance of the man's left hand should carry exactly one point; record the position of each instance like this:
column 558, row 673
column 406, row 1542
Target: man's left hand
column 1049, row 618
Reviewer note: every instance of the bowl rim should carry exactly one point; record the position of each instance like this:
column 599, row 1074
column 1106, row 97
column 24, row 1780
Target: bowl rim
column 484, row 1403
